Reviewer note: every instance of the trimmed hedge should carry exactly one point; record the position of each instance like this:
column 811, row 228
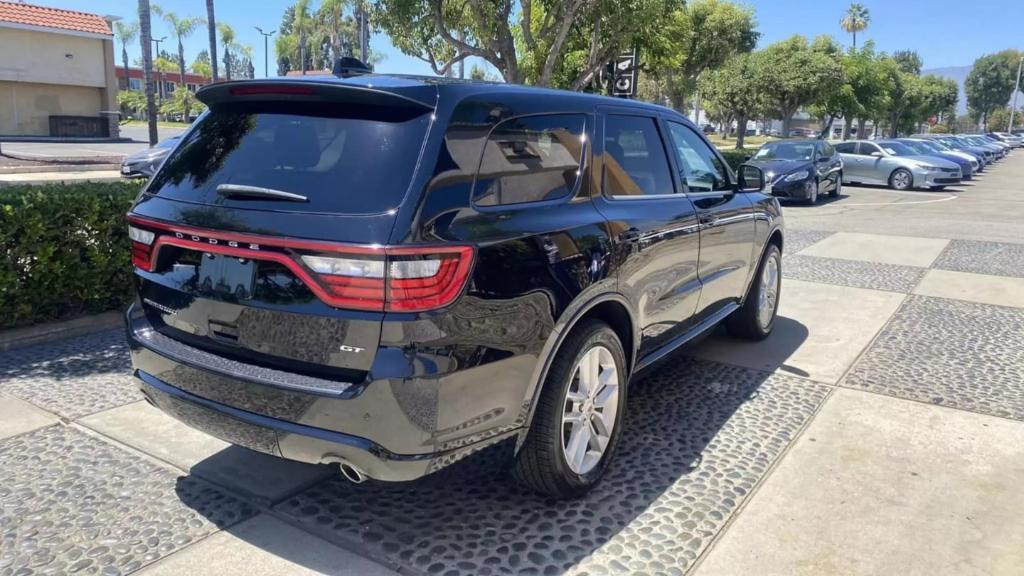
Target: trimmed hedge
column 736, row 157
column 64, row 250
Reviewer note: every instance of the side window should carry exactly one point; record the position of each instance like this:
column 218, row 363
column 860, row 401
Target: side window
column 530, row 159
column 635, row 163
column 847, row 148
column 700, row 166
column 866, row 148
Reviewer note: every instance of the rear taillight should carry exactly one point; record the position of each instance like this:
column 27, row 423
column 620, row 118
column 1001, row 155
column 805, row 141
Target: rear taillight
column 406, row 279
column 377, row 278
column 142, row 244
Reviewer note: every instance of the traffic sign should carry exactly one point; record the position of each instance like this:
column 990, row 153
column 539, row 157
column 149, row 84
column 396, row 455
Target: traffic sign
column 624, row 74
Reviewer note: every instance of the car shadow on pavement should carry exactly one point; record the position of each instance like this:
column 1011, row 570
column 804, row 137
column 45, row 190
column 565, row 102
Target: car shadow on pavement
column 699, row 435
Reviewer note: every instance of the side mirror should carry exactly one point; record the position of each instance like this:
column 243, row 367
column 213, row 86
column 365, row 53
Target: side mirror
column 746, row 158
column 751, row 178
column 876, row 154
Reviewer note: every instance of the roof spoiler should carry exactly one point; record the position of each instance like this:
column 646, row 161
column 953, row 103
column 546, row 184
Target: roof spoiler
column 305, row 91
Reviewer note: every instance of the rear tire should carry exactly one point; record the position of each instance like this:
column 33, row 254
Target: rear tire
column 753, row 321
column 569, row 404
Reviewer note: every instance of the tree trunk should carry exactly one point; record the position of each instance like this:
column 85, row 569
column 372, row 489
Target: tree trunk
column 787, row 118
column 862, row 125
column 741, row 130
column 302, row 51
column 145, row 38
column 181, row 68
column 227, row 64
column 824, row 134
column 124, row 60
column 696, row 107
column 847, row 121
column 211, row 26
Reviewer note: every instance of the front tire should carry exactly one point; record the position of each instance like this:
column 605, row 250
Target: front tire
column 901, row 179
column 578, row 421
column 756, row 318
column 811, row 192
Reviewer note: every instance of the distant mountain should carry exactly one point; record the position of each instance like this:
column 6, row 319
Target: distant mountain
column 958, row 73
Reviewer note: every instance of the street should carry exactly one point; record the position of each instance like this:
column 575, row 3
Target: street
column 879, row 430
column 138, row 133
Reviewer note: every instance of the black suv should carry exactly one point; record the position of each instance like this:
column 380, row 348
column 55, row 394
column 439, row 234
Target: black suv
column 391, row 273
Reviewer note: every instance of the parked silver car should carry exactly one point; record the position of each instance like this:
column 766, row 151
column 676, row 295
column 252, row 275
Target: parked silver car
column 894, row 164
column 144, row 163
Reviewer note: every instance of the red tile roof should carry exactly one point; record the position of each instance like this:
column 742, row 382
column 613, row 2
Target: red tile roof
column 31, row 15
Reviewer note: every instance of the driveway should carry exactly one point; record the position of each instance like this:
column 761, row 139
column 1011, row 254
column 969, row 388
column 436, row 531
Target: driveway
column 879, row 430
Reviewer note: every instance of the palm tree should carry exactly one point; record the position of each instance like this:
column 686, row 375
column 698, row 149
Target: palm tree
column 227, row 39
column 211, row 29
column 335, row 17
column 301, row 23
column 126, row 33
column 857, row 19
column 146, row 39
column 182, row 28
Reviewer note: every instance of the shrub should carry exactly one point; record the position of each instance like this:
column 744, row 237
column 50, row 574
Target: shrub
column 64, row 250
column 736, row 157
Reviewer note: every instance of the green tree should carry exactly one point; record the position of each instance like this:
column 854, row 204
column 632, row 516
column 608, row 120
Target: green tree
column 227, row 40
column 699, row 36
column 133, row 101
column 182, row 28
column 732, row 94
column 125, row 33
column 201, row 65
column 181, row 103
column 989, row 85
column 545, row 43
column 999, row 119
column 909, row 61
column 794, row 74
column 855, row 20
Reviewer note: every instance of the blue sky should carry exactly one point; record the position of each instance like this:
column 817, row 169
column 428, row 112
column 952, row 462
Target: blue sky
column 944, row 32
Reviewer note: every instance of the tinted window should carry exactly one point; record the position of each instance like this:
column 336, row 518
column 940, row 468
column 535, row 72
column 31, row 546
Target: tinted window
column 634, row 160
column 701, row 168
column 530, row 159
column 846, row 148
column 866, row 148
column 344, row 159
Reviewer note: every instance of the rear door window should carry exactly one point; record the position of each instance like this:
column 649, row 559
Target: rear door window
column 342, row 159
column 635, row 163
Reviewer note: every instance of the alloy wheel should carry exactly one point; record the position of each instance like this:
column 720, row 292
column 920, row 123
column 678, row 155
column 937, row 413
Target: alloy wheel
column 769, row 293
column 591, row 405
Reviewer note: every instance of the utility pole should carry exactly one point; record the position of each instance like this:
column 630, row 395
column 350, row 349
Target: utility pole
column 266, row 49
column 1016, row 88
column 159, row 73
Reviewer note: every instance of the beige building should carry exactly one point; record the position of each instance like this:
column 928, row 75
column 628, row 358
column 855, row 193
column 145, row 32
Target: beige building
column 56, row 73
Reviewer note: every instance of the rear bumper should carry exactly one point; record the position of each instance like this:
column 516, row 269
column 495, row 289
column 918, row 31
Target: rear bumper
column 276, row 413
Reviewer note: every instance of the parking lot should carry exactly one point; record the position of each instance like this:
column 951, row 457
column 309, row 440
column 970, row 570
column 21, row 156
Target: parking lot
column 879, row 430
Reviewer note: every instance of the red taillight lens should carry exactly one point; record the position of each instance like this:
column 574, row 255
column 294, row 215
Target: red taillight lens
column 406, row 280
column 358, row 277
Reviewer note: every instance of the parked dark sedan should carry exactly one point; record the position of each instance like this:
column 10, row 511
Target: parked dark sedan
column 392, row 273
column 145, row 163
column 967, row 167
column 800, row 169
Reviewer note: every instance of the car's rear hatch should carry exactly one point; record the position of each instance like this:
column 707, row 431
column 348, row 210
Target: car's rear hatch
column 261, row 237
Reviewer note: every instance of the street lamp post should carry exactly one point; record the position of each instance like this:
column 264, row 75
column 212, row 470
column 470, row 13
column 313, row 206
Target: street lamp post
column 266, row 49
column 1016, row 88
column 159, row 73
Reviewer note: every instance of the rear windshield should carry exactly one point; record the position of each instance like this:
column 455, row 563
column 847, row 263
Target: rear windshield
column 343, row 159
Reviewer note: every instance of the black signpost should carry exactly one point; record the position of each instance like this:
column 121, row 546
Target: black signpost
column 624, row 74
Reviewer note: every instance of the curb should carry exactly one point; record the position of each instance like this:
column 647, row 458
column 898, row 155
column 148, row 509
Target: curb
column 61, row 140
column 44, row 178
column 64, row 159
column 53, row 331
column 58, row 168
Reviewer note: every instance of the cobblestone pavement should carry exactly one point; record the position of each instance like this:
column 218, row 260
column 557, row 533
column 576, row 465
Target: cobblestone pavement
column 81, row 493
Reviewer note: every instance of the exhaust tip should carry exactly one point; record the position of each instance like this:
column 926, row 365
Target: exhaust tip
column 351, row 473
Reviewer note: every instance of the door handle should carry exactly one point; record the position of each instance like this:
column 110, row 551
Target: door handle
column 709, row 219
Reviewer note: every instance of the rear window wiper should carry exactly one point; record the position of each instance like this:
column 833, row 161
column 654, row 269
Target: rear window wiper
column 243, row 191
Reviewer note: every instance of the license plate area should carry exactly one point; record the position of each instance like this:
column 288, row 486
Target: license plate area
column 226, row 276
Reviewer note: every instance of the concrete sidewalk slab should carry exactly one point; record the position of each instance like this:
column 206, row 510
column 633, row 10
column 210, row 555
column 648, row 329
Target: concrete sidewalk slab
column 879, row 486
column 981, row 288
column 900, row 250
column 18, row 417
column 820, row 332
column 149, row 430
column 265, row 546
